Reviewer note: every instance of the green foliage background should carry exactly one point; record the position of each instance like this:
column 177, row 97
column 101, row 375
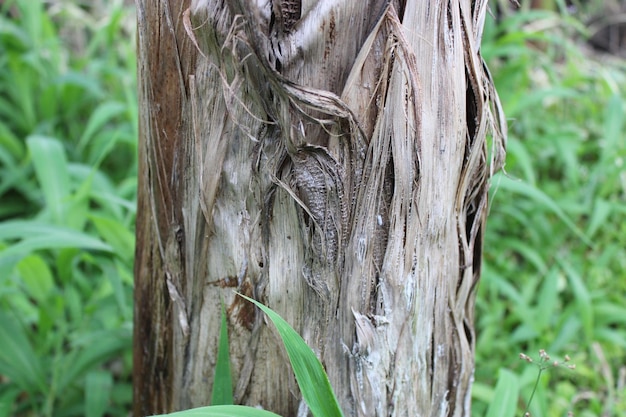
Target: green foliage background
column 555, row 259
column 68, row 117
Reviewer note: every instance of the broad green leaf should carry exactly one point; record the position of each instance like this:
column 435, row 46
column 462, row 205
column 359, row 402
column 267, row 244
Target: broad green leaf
column 98, row 386
column 222, row 411
column 222, row 383
column 525, row 332
column 504, row 403
column 51, row 168
column 117, row 235
column 482, row 392
column 36, row 235
column 310, row 374
column 36, row 277
column 65, row 263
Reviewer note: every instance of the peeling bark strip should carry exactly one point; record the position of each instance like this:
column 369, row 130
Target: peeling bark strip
column 329, row 159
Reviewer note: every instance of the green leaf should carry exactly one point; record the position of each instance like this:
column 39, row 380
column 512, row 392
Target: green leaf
column 36, row 277
column 505, row 397
column 73, row 304
column 98, row 386
column 222, row 383
column 537, row 98
column 51, row 168
column 310, row 374
column 482, row 392
column 36, row 235
column 117, row 235
column 223, row 411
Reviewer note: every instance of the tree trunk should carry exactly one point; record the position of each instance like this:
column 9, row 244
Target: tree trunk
column 328, row 158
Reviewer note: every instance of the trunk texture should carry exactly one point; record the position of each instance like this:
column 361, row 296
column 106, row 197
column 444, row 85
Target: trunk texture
column 328, row 158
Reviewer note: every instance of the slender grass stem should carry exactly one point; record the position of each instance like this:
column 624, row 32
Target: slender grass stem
column 532, row 394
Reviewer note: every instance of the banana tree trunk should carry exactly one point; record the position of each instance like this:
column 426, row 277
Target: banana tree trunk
column 330, row 159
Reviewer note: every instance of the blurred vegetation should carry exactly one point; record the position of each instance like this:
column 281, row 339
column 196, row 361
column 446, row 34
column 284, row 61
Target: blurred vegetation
column 67, row 190
column 555, row 257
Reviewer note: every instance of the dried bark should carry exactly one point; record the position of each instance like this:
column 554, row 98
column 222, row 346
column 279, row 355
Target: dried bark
column 329, row 159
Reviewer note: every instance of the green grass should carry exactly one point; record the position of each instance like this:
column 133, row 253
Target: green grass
column 555, row 258
column 67, row 187
column 308, row 370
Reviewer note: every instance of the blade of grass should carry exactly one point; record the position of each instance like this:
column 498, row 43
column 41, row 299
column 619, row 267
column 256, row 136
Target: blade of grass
column 222, row 411
column 222, row 383
column 36, row 277
column 504, row 403
column 98, row 386
column 51, row 169
column 116, row 235
column 36, row 235
column 310, row 374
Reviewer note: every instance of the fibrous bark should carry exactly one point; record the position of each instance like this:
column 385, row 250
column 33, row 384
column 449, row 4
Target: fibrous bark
column 330, row 159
